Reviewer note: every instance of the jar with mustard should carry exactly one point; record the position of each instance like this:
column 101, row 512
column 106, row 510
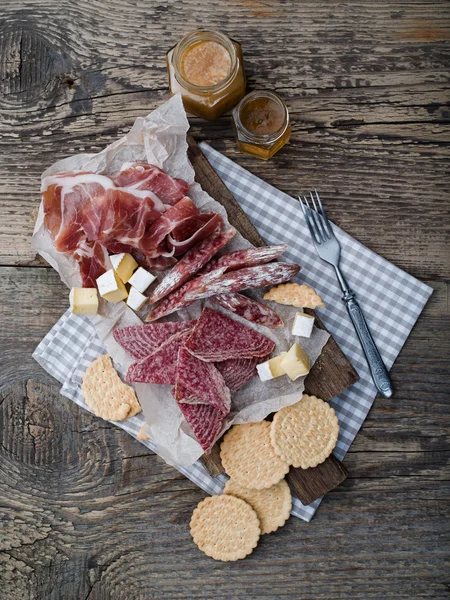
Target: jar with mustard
column 261, row 124
column 207, row 68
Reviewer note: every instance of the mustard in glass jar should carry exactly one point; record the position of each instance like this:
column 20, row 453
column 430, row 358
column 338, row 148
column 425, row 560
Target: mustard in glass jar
column 207, row 68
column 261, row 124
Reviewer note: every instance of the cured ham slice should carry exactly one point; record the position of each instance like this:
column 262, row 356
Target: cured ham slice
column 250, row 257
column 205, row 422
column 148, row 177
column 217, row 337
column 203, row 382
column 141, row 340
column 161, row 365
column 191, row 263
column 192, row 231
column 239, row 371
column 249, row 309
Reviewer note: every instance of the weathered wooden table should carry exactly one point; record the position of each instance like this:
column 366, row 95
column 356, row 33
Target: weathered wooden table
column 86, row 511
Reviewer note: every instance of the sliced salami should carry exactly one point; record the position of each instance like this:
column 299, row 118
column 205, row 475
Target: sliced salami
column 251, row 277
column 160, row 366
column 203, row 382
column 217, row 337
column 177, row 299
column 141, row 340
column 249, row 309
column 239, row 371
column 205, row 422
column 250, row 257
column 191, row 263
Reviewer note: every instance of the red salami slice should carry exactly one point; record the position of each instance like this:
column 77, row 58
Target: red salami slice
column 161, row 365
column 239, row 371
column 217, row 337
column 205, row 422
column 203, row 382
column 249, row 309
column 177, row 299
column 141, row 340
column 250, row 257
column 251, row 277
column 191, row 263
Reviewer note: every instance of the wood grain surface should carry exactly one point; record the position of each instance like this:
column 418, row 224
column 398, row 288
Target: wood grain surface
column 87, row 512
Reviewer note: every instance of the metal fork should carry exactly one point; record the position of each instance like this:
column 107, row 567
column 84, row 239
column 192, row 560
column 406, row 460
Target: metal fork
column 329, row 250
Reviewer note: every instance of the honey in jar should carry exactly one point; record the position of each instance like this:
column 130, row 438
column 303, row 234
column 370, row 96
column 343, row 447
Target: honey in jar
column 261, row 123
column 207, row 68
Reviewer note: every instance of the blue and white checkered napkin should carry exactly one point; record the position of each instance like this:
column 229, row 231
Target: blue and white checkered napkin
column 391, row 299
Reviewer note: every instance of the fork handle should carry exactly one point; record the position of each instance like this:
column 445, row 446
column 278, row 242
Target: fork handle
column 379, row 372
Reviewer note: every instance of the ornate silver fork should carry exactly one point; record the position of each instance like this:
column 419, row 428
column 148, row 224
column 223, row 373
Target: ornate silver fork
column 329, row 250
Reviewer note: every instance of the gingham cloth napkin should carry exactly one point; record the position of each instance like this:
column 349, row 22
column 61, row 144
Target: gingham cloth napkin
column 391, row 299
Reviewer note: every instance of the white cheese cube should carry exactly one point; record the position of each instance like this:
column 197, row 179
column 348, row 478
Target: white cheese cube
column 111, row 287
column 271, row 368
column 136, row 300
column 296, row 363
column 303, row 325
column 141, row 279
column 124, row 265
column 83, row 301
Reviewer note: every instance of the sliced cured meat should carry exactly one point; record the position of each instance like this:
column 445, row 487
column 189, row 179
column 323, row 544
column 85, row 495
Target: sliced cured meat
column 203, row 382
column 217, row 337
column 192, row 231
column 251, row 277
column 249, row 309
column 141, row 340
column 239, row 371
column 205, row 422
column 250, row 257
column 93, row 260
column 191, row 263
column 142, row 176
column 161, row 365
column 177, row 299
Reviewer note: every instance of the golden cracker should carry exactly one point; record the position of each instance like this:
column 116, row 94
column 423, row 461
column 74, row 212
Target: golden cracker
column 225, row 528
column 106, row 394
column 272, row 505
column 248, row 456
column 294, row 294
column 305, row 434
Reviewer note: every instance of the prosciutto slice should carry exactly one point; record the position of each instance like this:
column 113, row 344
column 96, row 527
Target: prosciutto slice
column 148, row 177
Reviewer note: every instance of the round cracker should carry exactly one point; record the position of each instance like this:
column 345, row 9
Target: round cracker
column 225, row 527
column 305, row 433
column 106, row 394
column 248, row 456
column 272, row 505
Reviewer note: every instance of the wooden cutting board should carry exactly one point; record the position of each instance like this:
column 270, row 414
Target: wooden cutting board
column 331, row 374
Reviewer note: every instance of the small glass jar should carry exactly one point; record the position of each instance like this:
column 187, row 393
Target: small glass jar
column 207, row 68
column 261, row 124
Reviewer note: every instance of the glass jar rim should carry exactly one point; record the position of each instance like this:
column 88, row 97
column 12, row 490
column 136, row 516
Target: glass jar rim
column 262, row 137
column 211, row 35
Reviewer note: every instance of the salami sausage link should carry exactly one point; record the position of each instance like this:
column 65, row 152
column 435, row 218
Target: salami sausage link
column 250, row 257
column 249, row 309
column 251, row 277
column 191, row 263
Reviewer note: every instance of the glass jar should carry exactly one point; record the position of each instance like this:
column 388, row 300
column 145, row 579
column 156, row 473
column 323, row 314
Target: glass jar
column 261, row 124
column 207, row 68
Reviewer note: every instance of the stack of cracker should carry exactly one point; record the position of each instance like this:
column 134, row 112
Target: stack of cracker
column 257, row 456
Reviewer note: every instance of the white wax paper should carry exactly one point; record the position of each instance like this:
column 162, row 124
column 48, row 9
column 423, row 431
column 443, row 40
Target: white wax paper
column 160, row 139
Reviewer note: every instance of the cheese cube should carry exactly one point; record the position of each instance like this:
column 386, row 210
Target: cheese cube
column 136, row 300
column 296, row 362
column 141, row 279
column 303, row 325
column 83, row 301
column 111, row 287
column 124, row 265
column 271, row 368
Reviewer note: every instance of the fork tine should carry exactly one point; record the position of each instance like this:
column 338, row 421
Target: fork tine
column 322, row 227
column 325, row 218
column 316, row 219
column 311, row 226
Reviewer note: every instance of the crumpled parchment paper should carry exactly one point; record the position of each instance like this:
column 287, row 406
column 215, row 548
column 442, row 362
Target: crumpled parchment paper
column 160, row 139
